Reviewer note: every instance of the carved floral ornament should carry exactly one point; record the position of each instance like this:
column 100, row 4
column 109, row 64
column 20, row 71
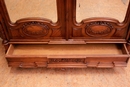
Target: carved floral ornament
column 99, row 28
column 35, row 29
column 66, row 60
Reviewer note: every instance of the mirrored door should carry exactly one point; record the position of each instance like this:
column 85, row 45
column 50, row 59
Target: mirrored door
column 19, row 9
column 100, row 19
column 115, row 9
column 30, row 19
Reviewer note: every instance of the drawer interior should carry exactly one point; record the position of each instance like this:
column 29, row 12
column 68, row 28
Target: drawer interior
column 87, row 49
column 67, row 56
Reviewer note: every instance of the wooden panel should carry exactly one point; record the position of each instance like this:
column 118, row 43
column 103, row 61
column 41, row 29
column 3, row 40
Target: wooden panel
column 10, row 50
column 92, row 64
column 27, row 64
column 41, row 64
column 31, row 26
column 59, row 50
column 105, row 65
column 36, row 28
column 67, row 56
column 97, row 27
column 120, row 64
column 68, row 65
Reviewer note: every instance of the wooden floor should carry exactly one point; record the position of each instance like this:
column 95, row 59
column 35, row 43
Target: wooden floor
column 41, row 77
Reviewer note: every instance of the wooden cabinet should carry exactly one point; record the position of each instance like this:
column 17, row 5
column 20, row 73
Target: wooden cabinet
column 59, row 39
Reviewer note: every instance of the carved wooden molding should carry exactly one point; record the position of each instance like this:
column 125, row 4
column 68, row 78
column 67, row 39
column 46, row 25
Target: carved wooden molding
column 66, row 24
column 99, row 28
column 35, row 29
column 45, row 27
column 66, row 60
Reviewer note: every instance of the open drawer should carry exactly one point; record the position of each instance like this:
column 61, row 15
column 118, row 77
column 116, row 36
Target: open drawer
column 67, row 56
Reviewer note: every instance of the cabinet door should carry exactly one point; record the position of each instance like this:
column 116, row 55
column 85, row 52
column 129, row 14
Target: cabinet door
column 30, row 19
column 102, row 8
column 104, row 19
column 19, row 9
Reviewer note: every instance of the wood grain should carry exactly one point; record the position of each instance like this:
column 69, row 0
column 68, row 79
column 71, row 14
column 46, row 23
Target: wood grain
column 66, row 49
column 90, row 77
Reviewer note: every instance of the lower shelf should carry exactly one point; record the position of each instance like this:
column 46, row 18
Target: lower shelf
column 67, row 56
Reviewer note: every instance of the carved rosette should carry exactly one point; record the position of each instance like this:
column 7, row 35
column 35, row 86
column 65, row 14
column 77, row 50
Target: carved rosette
column 35, row 29
column 98, row 29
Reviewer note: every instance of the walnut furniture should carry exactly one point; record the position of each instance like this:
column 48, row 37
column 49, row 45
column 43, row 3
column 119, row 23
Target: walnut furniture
column 39, row 42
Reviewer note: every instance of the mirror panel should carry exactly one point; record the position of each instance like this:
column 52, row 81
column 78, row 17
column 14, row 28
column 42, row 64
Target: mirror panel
column 31, row 8
column 101, row 8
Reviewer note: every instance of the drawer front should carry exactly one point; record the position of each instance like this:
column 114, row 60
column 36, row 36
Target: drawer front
column 98, row 62
column 27, row 62
column 44, row 56
column 106, row 62
column 66, row 63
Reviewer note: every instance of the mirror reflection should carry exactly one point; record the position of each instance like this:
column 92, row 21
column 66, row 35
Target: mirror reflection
column 31, row 8
column 101, row 8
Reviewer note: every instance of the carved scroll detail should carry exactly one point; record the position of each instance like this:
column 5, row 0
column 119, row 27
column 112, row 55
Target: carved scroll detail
column 66, row 60
column 99, row 28
column 35, row 29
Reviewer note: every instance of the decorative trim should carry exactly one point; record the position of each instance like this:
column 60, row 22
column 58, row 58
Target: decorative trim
column 98, row 28
column 66, row 60
column 35, row 29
